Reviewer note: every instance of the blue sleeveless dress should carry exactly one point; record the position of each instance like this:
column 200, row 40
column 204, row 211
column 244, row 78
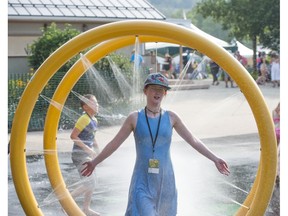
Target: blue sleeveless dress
column 152, row 194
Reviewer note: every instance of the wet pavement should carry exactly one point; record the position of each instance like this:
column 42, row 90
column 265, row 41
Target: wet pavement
column 220, row 117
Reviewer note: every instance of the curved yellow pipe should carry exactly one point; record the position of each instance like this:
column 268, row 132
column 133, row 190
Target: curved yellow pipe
column 160, row 29
column 246, row 205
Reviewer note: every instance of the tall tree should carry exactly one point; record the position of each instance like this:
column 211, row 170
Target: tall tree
column 208, row 25
column 258, row 20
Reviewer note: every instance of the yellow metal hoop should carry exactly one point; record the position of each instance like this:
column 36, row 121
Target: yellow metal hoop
column 262, row 189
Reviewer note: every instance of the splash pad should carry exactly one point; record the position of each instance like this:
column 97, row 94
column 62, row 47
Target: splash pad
column 111, row 37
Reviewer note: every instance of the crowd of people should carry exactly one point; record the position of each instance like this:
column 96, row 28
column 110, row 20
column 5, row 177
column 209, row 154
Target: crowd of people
column 268, row 69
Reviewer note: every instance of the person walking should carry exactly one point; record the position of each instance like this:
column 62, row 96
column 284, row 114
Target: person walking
column 136, row 59
column 275, row 69
column 167, row 66
column 262, row 78
column 214, row 67
column 83, row 135
column 152, row 188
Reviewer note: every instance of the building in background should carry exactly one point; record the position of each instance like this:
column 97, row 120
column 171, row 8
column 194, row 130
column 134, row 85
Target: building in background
column 27, row 17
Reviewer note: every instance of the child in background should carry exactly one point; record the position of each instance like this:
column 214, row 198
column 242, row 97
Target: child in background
column 83, row 135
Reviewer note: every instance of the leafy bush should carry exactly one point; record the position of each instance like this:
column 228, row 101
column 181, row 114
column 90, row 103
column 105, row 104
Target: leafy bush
column 52, row 38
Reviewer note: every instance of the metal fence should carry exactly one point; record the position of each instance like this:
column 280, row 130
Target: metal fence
column 18, row 82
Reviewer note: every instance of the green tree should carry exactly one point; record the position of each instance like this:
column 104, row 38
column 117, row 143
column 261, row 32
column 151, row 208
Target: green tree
column 208, row 25
column 257, row 20
column 52, row 38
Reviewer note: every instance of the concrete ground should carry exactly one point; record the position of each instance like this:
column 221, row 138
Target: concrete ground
column 220, row 116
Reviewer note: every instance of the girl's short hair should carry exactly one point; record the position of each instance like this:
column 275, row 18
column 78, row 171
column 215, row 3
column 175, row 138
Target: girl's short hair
column 88, row 96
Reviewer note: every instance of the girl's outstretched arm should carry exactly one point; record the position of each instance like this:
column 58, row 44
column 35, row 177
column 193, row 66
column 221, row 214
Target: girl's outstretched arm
column 127, row 127
column 197, row 144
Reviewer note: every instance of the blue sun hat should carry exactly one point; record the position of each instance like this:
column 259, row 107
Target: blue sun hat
column 157, row 79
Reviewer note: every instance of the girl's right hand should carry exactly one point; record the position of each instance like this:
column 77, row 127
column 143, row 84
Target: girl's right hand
column 88, row 169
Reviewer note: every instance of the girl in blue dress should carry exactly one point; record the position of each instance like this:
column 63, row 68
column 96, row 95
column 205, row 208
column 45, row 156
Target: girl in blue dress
column 152, row 189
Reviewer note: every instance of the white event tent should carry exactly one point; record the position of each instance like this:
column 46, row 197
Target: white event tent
column 245, row 51
column 187, row 24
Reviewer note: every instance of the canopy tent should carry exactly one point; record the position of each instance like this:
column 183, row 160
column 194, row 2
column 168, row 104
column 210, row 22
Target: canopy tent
column 243, row 50
column 159, row 45
column 173, row 49
column 163, row 48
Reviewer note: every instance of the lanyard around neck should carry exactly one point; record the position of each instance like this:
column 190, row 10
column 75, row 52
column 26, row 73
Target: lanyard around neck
column 158, row 126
